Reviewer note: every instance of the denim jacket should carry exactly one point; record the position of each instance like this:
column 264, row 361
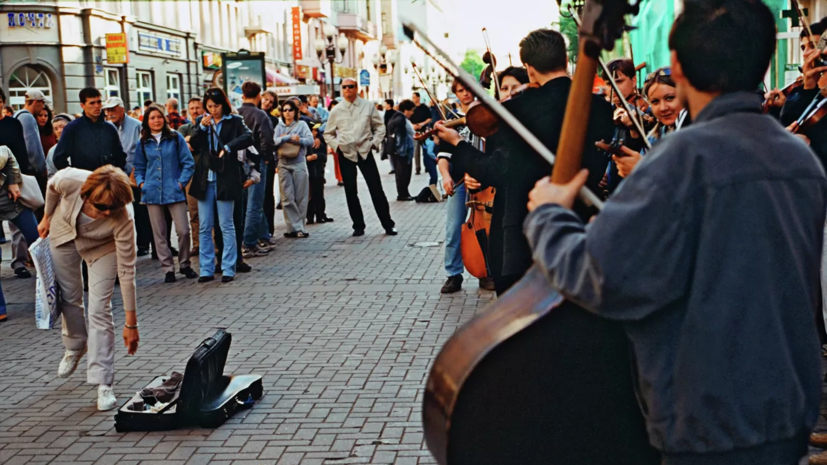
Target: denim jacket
column 163, row 169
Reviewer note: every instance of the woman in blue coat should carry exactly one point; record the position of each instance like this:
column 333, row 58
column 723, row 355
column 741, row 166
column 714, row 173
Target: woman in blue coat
column 163, row 166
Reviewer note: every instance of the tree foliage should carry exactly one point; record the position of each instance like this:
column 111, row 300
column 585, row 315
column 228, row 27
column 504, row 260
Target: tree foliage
column 472, row 63
column 568, row 28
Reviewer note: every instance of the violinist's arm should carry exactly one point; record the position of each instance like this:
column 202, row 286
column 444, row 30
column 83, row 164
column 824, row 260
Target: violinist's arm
column 798, row 101
column 487, row 169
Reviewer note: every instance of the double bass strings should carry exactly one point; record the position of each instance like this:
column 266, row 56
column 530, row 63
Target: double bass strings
column 418, row 37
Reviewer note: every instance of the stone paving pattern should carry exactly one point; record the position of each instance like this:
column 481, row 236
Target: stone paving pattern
column 342, row 329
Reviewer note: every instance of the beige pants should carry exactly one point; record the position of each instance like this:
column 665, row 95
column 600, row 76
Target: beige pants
column 178, row 211
column 100, row 335
column 192, row 206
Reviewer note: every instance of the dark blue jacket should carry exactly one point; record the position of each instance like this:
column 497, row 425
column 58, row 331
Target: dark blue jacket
column 89, row 145
column 164, row 169
column 709, row 253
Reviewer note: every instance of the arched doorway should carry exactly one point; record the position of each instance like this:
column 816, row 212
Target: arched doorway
column 25, row 78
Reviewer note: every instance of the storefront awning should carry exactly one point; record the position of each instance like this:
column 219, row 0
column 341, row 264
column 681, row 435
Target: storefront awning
column 274, row 78
column 296, row 90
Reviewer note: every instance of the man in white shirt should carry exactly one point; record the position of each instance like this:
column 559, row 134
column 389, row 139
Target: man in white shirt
column 353, row 129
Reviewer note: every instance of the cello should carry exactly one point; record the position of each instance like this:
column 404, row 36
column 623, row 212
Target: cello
column 535, row 378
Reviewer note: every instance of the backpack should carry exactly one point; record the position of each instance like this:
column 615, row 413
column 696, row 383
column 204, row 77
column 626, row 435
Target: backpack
column 426, row 196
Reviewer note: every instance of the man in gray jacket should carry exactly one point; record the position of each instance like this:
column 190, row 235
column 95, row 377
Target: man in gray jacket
column 257, row 239
column 709, row 254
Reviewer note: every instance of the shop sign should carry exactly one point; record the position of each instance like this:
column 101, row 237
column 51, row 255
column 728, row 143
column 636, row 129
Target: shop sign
column 151, row 42
column 344, row 72
column 35, row 20
column 117, row 50
column 296, row 90
column 364, row 78
column 211, row 60
column 297, row 33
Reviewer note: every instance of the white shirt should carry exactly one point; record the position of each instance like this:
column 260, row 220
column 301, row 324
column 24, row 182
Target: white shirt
column 354, row 128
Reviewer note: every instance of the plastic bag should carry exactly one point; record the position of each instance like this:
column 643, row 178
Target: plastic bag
column 47, row 310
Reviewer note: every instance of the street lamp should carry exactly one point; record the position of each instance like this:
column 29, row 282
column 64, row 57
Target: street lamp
column 381, row 61
column 329, row 51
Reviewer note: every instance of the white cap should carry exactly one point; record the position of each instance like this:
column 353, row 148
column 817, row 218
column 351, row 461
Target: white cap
column 34, row 94
column 113, row 102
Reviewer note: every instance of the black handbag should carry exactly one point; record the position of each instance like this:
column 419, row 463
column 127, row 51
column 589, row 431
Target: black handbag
column 215, row 162
column 206, row 397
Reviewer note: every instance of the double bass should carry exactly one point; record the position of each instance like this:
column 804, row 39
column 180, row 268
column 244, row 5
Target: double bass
column 535, row 378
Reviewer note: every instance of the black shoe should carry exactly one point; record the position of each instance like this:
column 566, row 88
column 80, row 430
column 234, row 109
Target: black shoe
column 358, row 232
column 453, row 284
column 487, row 284
column 340, row 184
column 278, row 207
column 143, row 251
column 405, row 199
column 418, row 172
column 205, row 279
column 170, row 277
column 327, row 219
column 243, row 267
column 226, row 279
column 391, row 231
column 22, row 272
column 392, row 172
column 188, row 272
column 174, row 251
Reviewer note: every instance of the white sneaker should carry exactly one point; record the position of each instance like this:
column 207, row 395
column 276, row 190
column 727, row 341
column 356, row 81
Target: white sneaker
column 106, row 398
column 70, row 363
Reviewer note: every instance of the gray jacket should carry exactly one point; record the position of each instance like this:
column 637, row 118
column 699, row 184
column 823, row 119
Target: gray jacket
column 129, row 132
column 709, row 253
column 31, row 132
column 283, row 135
column 262, row 129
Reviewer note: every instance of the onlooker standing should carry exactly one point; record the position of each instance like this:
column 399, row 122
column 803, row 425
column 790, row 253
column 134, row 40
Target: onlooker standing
column 147, row 103
column 36, row 166
column 8, row 110
column 387, row 105
column 58, row 123
column 270, row 105
column 308, row 111
column 217, row 181
column 87, row 219
column 195, row 109
column 315, row 169
column 399, row 144
column 11, row 135
column 323, row 114
column 75, row 146
column 163, row 166
column 10, row 209
column 47, row 132
column 257, row 239
column 129, row 133
column 173, row 117
column 337, row 172
column 292, row 139
column 353, row 130
column 420, row 119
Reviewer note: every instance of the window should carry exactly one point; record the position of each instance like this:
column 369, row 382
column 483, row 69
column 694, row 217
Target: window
column 174, row 86
column 113, row 83
column 144, row 87
column 24, row 79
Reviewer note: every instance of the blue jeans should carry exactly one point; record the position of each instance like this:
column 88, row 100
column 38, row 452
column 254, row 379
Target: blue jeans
column 457, row 213
column 206, row 248
column 255, row 226
column 430, row 167
column 27, row 224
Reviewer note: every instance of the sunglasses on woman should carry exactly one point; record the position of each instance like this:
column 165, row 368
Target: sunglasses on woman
column 102, row 207
column 663, row 72
column 286, row 109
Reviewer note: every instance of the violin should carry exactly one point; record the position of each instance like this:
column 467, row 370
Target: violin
column 812, row 115
column 765, row 107
column 421, row 136
column 485, row 123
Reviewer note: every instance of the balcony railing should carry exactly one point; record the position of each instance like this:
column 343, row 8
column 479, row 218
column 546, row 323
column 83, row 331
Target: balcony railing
column 355, row 24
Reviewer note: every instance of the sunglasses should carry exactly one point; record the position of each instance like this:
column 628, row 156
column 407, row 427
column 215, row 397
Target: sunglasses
column 286, row 109
column 103, row 208
column 663, row 72
column 348, row 86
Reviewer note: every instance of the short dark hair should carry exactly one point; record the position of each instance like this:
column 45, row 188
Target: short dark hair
column 87, row 93
column 406, row 105
column 332, row 104
column 218, row 97
column 417, row 94
column 816, row 28
column 250, row 89
column 148, row 103
column 704, row 25
column 389, row 101
column 456, row 83
column 545, row 50
column 146, row 133
column 622, row 65
column 194, row 99
column 520, row 74
column 292, row 104
column 303, row 99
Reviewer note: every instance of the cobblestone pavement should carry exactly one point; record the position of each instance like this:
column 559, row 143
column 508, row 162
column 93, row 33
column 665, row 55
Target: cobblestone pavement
column 342, row 329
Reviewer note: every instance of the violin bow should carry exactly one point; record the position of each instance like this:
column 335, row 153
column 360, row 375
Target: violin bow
column 616, row 90
column 493, row 61
column 802, row 19
column 470, row 84
column 425, row 86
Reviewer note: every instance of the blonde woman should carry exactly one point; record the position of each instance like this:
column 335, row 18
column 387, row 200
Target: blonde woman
column 87, row 220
